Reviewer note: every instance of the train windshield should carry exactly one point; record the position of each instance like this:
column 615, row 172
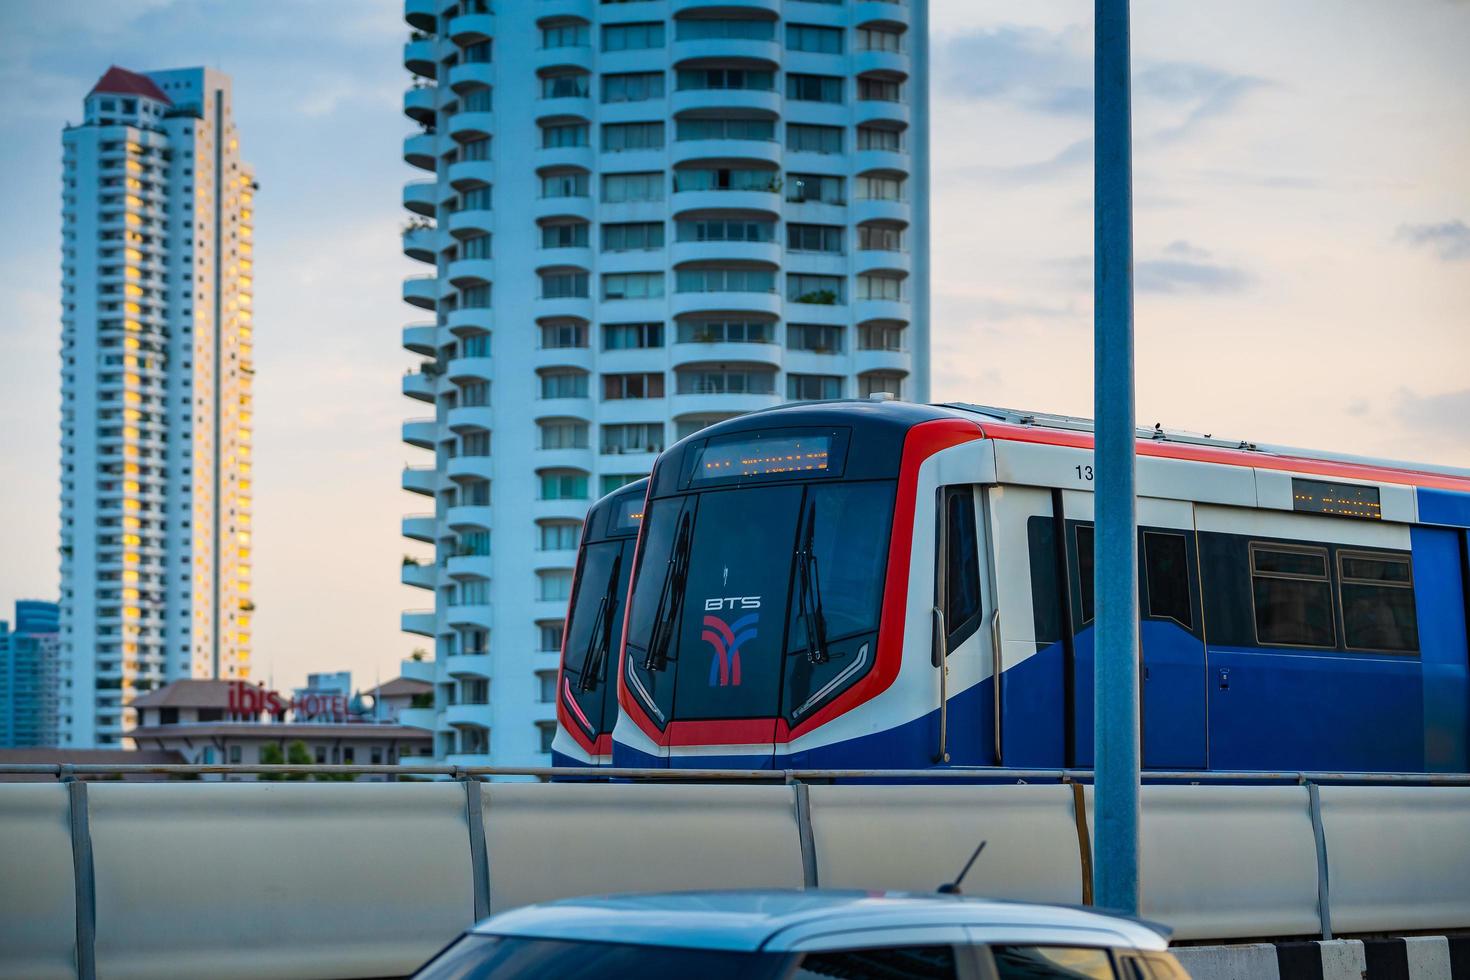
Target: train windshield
column 757, row 602
column 594, row 623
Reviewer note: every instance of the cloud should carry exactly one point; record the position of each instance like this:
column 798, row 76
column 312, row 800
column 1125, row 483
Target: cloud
column 1450, row 240
column 1442, row 413
column 1046, row 71
column 1067, row 160
column 1184, row 250
column 1177, row 276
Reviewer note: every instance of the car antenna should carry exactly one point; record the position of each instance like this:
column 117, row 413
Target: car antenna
column 953, row 888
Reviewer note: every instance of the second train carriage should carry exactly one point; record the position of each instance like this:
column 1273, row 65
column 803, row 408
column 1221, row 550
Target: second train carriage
column 886, row 585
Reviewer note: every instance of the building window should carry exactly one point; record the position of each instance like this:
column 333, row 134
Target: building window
column 564, row 185
column 565, row 85
column 880, row 238
column 808, row 37
column 632, row 285
column 475, row 297
column 563, row 135
column 619, row 188
column 727, row 381
column 813, row 387
column 880, row 188
column 1377, row 593
column 550, row 634
column 814, row 238
column 725, row 230
column 473, row 544
column 560, row 535
column 874, row 286
column 879, row 138
column 564, row 235
column 818, row 338
column 805, row 138
column 816, row 188
column 473, row 394
column 725, row 280
column 320, row 754
column 568, row 35
column 479, row 53
column 377, row 755
column 725, row 179
column 349, row 755
column 880, row 383
column 546, row 686
column 879, row 90
column 881, row 336
column 478, row 100
column 1292, row 593
column 616, row 481
column 546, row 733
column 726, row 332
column 698, row 79
column 725, row 128
column 478, row 149
column 633, row 437
column 632, row 236
column 563, row 334
column 813, row 88
column 475, row 444
column 563, row 434
column 628, row 336
column 555, row 585
column 475, row 199
column 616, row 387
column 563, row 285
column 632, row 37
column 477, row 247
column 880, row 39
column 821, row 290
column 617, row 137
column 564, row 384
column 633, row 86
column 563, row 485
column 696, row 29
column 235, row 755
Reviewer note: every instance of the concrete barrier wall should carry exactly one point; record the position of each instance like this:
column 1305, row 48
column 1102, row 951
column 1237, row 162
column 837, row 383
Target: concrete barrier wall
column 38, row 926
column 1399, row 857
column 369, row 880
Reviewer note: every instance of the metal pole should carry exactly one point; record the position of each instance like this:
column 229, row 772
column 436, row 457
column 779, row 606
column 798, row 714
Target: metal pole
column 1116, row 752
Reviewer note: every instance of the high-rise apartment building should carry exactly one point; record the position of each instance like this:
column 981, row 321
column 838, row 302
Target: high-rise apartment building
column 638, row 218
column 30, row 682
column 156, row 408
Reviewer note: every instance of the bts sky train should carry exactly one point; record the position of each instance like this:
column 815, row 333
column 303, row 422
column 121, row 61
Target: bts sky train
column 888, row 585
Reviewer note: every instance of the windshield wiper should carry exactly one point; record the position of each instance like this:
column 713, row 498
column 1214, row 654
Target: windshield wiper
column 810, row 592
column 670, row 601
column 599, row 642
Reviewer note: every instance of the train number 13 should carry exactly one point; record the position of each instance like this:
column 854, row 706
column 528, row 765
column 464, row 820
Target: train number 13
column 1084, row 473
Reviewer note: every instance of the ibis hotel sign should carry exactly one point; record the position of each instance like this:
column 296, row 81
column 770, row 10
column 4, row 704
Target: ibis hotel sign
column 248, row 699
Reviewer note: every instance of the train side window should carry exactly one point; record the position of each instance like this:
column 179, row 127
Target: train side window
column 1166, row 563
column 1291, row 591
column 1030, row 962
column 1084, row 571
column 920, row 962
column 1377, row 592
column 962, row 572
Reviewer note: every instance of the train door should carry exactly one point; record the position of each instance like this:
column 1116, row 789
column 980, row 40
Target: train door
column 962, row 629
column 1172, row 690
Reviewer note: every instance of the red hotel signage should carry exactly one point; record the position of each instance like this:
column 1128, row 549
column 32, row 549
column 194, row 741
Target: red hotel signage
column 248, row 699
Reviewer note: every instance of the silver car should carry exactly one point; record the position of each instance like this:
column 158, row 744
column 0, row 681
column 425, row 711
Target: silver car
column 803, row 935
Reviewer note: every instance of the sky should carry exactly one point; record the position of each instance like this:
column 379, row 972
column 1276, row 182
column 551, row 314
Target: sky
column 1302, row 251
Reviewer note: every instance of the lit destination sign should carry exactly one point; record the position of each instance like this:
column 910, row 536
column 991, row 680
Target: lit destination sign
column 628, row 515
column 1341, row 499
column 765, row 457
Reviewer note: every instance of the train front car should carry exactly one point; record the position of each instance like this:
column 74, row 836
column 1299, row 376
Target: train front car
column 586, row 703
column 780, row 613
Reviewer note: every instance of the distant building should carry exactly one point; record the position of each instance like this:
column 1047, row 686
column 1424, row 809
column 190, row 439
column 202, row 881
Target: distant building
column 88, row 757
column 157, row 362
column 216, row 722
column 30, row 677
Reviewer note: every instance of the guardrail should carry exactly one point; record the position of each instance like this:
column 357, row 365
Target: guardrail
column 341, row 879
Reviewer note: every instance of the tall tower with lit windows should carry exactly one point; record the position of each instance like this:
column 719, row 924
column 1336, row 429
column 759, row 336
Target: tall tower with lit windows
column 636, row 218
column 156, row 373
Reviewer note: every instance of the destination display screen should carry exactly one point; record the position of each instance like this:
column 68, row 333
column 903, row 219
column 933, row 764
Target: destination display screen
column 772, row 455
column 1341, row 499
column 628, row 516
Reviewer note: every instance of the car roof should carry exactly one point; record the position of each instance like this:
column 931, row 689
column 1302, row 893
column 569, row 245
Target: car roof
column 784, row 920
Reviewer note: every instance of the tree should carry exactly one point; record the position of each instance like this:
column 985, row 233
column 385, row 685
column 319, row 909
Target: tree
column 271, row 755
column 298, row 755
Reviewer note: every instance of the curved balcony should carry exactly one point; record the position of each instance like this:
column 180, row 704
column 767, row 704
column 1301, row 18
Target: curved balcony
column 422, row 197
column 879, row 209
column 469, row 468
column 422, row 57
column 421, row 338
column 561, row 258
column 888, row 63
column 467, row 715
column 882, row 309
column 420, row 621
column 421, row 15
column 763, row 252
column 471, row 369
column 467, row 665
column 895, row 114
column 421, row 291
column 475, row 319
column 465, row 174
column 555, row 357
column 578, row 307
column 418, row 385
column 474, row 74
column 566, row 510
column 419, row 150
column 562, row 9
column 467, row 566
column 714, row 302
column 418, row 104
column 423, row 433
column 882, row 360
column 562, row 459
column 470, row 272
column 726, row 151
column 678, row 7
column 881, row 161
column 478, row 615
column 421, row 576
column 767, row 203
column 471, row 125
column 686, row 99
column 570, row 108
column 421, row 243
column 576, row 157
column 879, row 261
column 421, row 479
column 545, row 208
column 688, row 355
column 468, row 516
column 544, row 59
column 466, row 417
column 467, row 29
column 563, row 408
column 864, row 12
column 768, row 52
column 715, row 404
column 420, row 527
column 548, row 560
column 467, row 224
